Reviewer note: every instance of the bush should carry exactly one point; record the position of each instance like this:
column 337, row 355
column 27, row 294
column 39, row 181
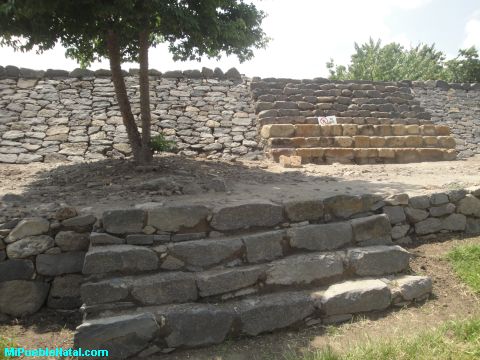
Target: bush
column 160, row 144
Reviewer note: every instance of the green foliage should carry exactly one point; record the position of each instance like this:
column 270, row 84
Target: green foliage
column 192, row 28
column 160, row 144
column 466, row 263
column 393, row 62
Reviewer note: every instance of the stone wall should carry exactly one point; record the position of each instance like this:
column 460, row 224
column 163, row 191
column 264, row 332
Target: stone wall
column 455, row 105
column 56, row 115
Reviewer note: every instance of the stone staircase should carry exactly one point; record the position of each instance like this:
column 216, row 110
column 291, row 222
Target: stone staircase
column 376, row 123
column 161, row 279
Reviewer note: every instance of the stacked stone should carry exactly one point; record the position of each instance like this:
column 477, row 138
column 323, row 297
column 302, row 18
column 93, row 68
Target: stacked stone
column 377, row 122
column 454, row 105
column 56, row 115
column 41, row 260
column 191, row 275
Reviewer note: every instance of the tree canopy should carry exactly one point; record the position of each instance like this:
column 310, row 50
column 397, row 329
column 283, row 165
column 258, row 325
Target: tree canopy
column 124, row 30
column 393, row 62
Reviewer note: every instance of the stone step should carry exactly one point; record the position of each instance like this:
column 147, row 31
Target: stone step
column 218, row 285
column 148, row 330
column 363, row 141
column 245, row 249
column 341, row 119
column 315, row 130
column 330, row 155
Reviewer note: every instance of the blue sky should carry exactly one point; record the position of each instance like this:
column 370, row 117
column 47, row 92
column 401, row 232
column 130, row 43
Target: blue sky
column 307, row 33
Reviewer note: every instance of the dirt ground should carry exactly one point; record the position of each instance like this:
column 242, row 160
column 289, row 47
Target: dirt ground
column 451, row 300
column 108, row 184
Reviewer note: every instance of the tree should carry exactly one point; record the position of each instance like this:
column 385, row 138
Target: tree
column 392, row 62
column 465, row 67
column 124, row 30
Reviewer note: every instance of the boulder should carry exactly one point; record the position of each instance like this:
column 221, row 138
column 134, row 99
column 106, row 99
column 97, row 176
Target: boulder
column 473, row 226
column 395, row 214
column 354, row 297
column 372, row 230
column 104, row 259
column 408, row 288
column 16, row 270
column 22, row 297
column 177, row 218
column 59, row 264
column 123, row 336
column 415, row 215
column 378, row 260
column 124, row 221
column 428, row 226
column 264, row 246
column 248, row 214
column 438, row 199
column 469, row 205
column 28, row 227
column 321, row 237
column 304, row 210
column 65, row 292
column 32, row 245
column 420, row 202
column 80, row 223
column 445, row 209
column 399, row 231
column 454, row 222
column 72, row 241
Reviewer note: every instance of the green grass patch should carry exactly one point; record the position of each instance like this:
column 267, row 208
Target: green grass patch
column 5, row 343
column 455, row 340
column 465, row 260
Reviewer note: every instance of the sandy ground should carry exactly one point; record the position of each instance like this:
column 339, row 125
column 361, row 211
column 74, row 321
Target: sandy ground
column 173, row 179
column 451, row 300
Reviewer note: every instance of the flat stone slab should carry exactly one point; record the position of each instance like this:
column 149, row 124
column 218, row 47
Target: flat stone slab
column 59, row 264
column 28, row 227
column 264, row 246
column 378, row 260
column 274, row 311
column 206, row 253
column 321, row 237
column 105, row 291
column 176, row 218
column 16, row 270
column 410, row 288
column 304, row 210
column 128, row 258
column 123, row 336
column 354, row 297
column 372, row 230
column 105, row 239
column 124, row 221
column 247, row 214
column 304, row 269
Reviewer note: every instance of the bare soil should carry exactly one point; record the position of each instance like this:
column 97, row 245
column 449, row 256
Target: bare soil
column 451, row 300
column 101, row 185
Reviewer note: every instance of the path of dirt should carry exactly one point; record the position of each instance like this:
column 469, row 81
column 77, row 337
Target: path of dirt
column 452, row 300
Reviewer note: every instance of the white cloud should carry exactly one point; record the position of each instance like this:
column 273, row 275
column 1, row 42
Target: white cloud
column 472, row 31
column 306, row 34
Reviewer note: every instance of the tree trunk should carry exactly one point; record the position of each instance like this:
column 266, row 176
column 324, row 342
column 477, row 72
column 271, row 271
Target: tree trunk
column 147, row 154
column 122, row 96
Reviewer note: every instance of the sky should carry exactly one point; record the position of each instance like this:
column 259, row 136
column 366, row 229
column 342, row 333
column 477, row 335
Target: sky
column 307, row 33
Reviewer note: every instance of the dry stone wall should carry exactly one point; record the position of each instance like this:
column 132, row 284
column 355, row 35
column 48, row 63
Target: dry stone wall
column 56, row 115
column 455, row 105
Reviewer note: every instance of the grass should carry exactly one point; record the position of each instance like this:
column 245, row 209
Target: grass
column 455, row 340
column 4, row 343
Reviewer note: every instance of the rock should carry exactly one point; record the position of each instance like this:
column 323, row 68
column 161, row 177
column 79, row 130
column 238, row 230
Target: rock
column 22, row 297
column 105, row 239
column 233, row 73
column 158, row 289
column 123, row 336
column 321, row 237
column 420, row 202
column 124, row 221
column 205, row 253
column 72, row 241
column 32, row 245
column 428, row 226
column 456, row 195
column 215, row 282
column 473, row 226
column 372, row 230
column 81, row 223
column 65, row 292
column 304, row 269
column 378, row 260
column 59, row 264
column 177, row 218
column 272, row 312
column 454, row 222
column 16, row 270
column 264, row 246
column 354, row 297
column 438, row 199
column 81, row 73
column 344, row 206
column 395, row 214
column 65, row 212
column 470, row 205
column 104, row 259
column 105, row 291
column 415, row 215
column 28, row 227
column 397, row 199
column 244, row 215
column 304, row 210
column 409, row 288
column 193, row 325
column 442, row 210
column 172, row 263
column 140, row 239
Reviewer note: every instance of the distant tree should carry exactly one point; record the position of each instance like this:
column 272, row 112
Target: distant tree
column 392, row 62
column 124, row 30
column 465, row 67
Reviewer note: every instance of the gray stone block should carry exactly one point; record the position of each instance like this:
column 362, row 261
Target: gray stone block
column 16, row 270
column 438, row 199
column 105, row 291
column 395, row 214
column 22, row 297
column 372, row 230
column 454, row 222
column 105, row 239
column 72, row 241
column 420, row 202
column 470, row 206
column 445, row 209
column 59, row 264
column 177, row 218
column 264, row 246
column 378, row 260
column 28, row 227
column 415, row 215
column 321, row 237
column 29, row 246
column 124, row 221
column 304, row 210
column 65, row 292
column 408, row 288
column 428, row 226
column 80, row 223
column 473, row 226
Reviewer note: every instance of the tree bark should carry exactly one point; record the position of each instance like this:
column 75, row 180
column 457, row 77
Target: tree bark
column 147, row 154
column 122, row 96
